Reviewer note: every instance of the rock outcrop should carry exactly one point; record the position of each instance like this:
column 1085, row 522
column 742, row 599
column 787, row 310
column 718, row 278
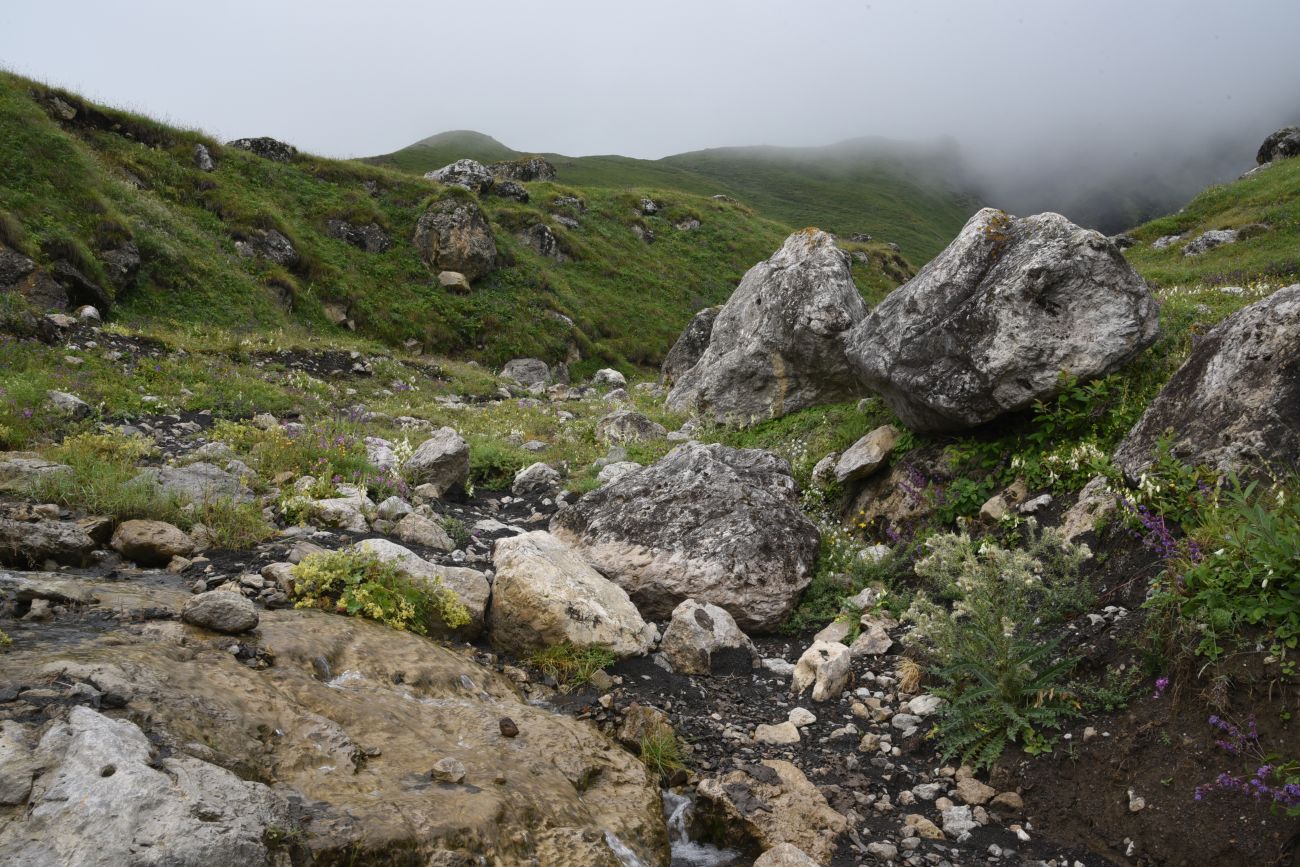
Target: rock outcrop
column 467, row 174
column 623, row 426
column 690, row 346
column 1280, row 145
column 777, row 345
column 705, row 522
column 100, row 797
column 546, row 594
column 989, row 326
column 453, row 235
column 1234, row 405
column 360, row 712
column 267, row 148
column 525, row 169
column 527, row 371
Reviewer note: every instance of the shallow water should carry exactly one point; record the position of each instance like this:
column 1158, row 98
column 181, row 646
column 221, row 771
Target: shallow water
column 685, row 851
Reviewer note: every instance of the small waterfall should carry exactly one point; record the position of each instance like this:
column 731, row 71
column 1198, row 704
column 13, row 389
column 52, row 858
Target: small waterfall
column 625, row 855
column 687, row 852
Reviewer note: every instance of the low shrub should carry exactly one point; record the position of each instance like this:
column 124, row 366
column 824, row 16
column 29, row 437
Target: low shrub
column 359, row 584
column 1001, row 675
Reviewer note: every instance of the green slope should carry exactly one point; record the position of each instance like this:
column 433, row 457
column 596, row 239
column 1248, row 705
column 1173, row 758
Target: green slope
column 1264, row 208
column 898, row 193
column 78, row 180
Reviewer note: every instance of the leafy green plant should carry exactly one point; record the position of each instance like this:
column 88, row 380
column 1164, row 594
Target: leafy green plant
column 359, row 584
column 1243, row 567
column 569, row 665
column 1001, row 674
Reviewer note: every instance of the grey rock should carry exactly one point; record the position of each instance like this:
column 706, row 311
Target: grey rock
column 68, row 404
column 20, row 470
column 1234, row 405
column 777, row 345
column 608, row 377
column 203, row 158
column 467, row 174
column 690, row 346
column 1209, row 240
column 221, row 611
column 393, row 509
column 701, row 638
column 17, row 764
column 623, row 426
column 267, row 244
column 826, row 666
column 453, row 235
column 121, row 264
column 416, row 529
column 527, row 371
column 506, row 189
column 615, row 471
column 537, row 479
column 542, row 241
column 103, row 800
column 24, row 543
column 705, row 522
column 525, row 169
column 989, row 325
column 199, row 482
column 441, row 461
column 266, row 148
column 1165, row 241
column 1280, row 145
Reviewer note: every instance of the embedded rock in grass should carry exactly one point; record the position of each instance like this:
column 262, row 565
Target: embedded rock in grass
column 1209, row 240
column 542, row 241
column 715, row 524
column 826, row 666
column 67, row 404
column 267, row 148
column 441, row 461
column 702, row 639
column 101, row 796
column 19, row 470
column 24, row 543
column 763, row 806
column 1234, row 405
column 370, row 237
column 777, row 345
column 527, row 371
column 344, row 512
column 221, row 611
column 469, row 585
column 608, row 377
column 623, row 426
column 989, row 326
column 1280, row 145
column 203, row 158
column 505, row 189
column 197, row 483
column 467, row 174
column 690, row 346
column 453, row 235
column 267, row 244
column 151, row 543
column 545, row 594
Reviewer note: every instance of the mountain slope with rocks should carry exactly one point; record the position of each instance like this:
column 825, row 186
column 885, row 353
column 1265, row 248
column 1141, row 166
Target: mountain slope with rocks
column 996, row 567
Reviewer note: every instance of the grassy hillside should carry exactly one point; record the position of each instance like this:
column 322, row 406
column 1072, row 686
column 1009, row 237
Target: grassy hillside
column 77, row 181
column 1264, row 208
column 899, row 195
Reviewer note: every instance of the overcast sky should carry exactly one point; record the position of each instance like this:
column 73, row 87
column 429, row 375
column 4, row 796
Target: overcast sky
column 658, row 77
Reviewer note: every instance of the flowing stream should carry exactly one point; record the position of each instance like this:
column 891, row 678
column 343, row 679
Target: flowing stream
column 687, row 852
